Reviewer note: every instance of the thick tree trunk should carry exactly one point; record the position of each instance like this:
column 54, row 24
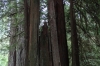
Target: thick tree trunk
column 74, row 40
column 61, row 31
column 25, row 44
column 44, row 47
column 20, row 47
column 13, row 43
column 26, row 30
column 13, row 39
column 33, row 41
column 53, row 33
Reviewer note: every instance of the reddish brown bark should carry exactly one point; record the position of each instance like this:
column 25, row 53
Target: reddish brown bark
column 53, row 33
column 44, row 47
column 33, row 38
column 61, row 31
column 26, row 29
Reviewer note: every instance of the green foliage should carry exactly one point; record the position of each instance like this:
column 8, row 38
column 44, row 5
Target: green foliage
column 87, row 14
column 3, row 60
column 8, row 9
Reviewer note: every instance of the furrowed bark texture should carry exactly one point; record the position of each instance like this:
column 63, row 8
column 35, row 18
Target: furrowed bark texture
column 17, row 54
column 34, row 20
column 13, row 43
column 61, row 31
column 20, row 47
column 53, row 33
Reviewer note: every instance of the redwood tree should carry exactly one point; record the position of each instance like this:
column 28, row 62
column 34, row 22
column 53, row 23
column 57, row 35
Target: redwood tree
column 33, row 29
column 74, row 40
column 26, row 30
column 61, row 32
column 53, row 33
column 13, row 42
column 58, row 33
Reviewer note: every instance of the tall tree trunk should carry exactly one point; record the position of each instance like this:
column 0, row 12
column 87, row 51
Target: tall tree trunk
column 13, row 42
column 17, row 41
column 13, row 38
column 74, row 40
column 33, row 41
column 25, row 44
column 53, row 33
column 20, row 47
column 61, row 31
column 26, row 30
column 44, row 47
